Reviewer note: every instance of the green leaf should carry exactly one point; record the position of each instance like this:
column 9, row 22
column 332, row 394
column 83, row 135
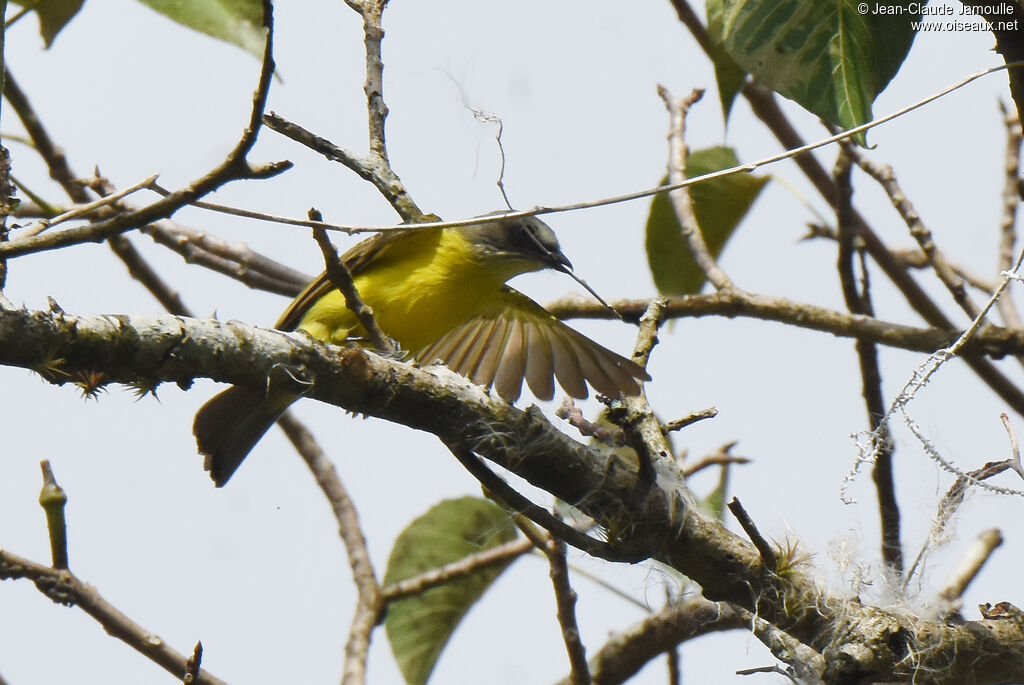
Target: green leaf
column 728, row 75
column 714, row 503
column 239, row 22
column 719, row 204
column 53, row 15
column 828, row 56
column 419, row 627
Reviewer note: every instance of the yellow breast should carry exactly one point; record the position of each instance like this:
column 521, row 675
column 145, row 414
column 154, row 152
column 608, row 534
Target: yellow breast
column 419, row 287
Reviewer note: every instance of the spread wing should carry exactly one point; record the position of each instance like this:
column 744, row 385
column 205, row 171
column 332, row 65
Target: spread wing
column 521, row 340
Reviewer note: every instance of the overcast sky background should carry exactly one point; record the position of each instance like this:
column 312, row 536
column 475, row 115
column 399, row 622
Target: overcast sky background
column 256, row 570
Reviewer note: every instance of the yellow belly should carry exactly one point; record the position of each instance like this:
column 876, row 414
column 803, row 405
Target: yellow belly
column 419, row 289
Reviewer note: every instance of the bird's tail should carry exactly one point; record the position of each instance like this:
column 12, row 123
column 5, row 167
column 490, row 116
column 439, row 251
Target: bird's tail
column 231, row 423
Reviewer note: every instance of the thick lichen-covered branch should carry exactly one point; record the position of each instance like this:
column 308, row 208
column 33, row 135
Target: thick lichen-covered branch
column 855, row 640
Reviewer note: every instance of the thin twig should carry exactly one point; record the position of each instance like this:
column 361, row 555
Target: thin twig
column 950, row 504
column 369, row 602
column 1011, row 202
column 193, row 665
column 234, row 259
column 604, row 433
column 565, row 598
column 629, row 650
column 720, row 457
column 736, row 303
column 53, row 499
column 768, row 557
column 914, row 258
column 680, row 197
column 234, row 167
column 689, row 419
column 774, row 668
column 502, row 491
column 63, row 587
column 370, row 167
column 634, row 414
column 858, row 301
column 420, row 583
column 383, row 176
column 83, row 209
column 647, row 335
column 341, row 278
column 1014, row 459
column 886, row 178
column 970, row 566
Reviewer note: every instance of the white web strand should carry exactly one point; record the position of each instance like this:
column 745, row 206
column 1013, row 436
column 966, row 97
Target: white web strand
column 869, row 443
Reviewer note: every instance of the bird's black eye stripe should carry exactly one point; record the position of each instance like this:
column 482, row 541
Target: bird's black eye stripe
column 528, row 236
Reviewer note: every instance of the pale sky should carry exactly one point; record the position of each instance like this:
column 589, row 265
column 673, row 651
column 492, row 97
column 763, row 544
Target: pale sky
column 256, row 570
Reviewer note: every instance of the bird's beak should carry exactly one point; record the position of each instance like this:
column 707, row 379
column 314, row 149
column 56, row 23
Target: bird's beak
column 559, row 262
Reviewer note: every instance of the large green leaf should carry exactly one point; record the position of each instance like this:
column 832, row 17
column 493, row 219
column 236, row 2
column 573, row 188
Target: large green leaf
column 828, row 56
column 53, row 15
column 719, row 204
column 419, row 627
column 239, row 22
column 728, row 75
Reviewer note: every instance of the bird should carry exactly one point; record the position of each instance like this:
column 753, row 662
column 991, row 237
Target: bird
column 441, row 294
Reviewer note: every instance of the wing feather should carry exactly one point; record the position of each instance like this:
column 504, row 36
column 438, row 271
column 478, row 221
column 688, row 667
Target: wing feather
column 610, row 369
column 508, row 382
column 486, row 367
column 518, row 340
column 539, row 369
column 445, row 349
column 592, row 371
column 567, row 368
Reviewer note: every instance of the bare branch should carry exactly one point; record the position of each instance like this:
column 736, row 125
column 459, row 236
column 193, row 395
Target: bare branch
column 63, row 587
column 720, row 457
column 502, row 554
column 736, row 303
column 764, row 548
column 373, row 168
column 369, row 603
column 885, row 177
column 625, row 654
column 969, row 567
column 234, row 167
column 53, row 499
column 680, row 197
column 858, row 301
column 83, row 209
column 565, row 599
column 232, row 259
column 610, row 435
column 342, row 280
column 1011, row 201
column 644, row 516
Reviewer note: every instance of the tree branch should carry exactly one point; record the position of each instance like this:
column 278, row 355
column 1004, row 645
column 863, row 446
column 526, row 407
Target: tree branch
column 608, row 489
column 65, row 588
column 234, row 167
column 858, row 301
column 369, row 602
